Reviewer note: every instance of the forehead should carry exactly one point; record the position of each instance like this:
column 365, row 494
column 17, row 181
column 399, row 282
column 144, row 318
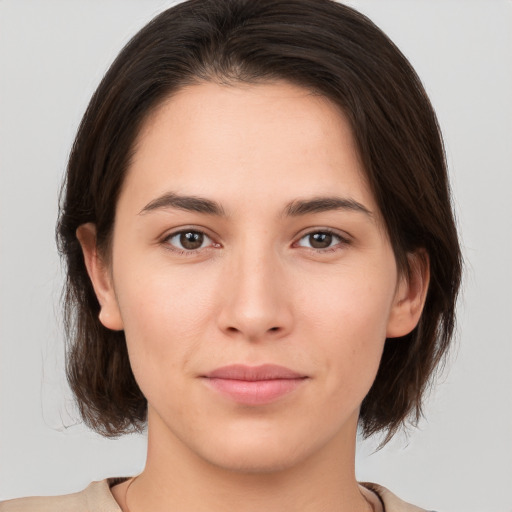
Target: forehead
column 222, row 139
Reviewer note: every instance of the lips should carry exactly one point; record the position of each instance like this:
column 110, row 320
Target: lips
column 254, row 385
column 254, row 373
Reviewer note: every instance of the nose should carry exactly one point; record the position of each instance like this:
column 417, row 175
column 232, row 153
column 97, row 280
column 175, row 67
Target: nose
column 257, row 301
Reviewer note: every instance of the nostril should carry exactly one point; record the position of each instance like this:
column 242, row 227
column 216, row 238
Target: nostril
column 274, row 329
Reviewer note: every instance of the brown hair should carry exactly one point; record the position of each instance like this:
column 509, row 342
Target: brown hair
column 327, row 48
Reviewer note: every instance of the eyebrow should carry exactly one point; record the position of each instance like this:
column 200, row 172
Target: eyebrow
column 324, row 204
column 187, row 203
column 295, row 208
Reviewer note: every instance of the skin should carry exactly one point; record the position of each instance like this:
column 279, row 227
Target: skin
column 256, row 291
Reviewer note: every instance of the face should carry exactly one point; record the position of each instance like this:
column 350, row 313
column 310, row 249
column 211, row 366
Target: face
column 252, row 275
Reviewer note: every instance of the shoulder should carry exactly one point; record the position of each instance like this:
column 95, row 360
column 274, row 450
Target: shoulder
column 95, row 498
column 391, row 502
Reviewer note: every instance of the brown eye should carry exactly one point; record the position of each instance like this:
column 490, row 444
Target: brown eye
column 321, row 240
column 189, row 240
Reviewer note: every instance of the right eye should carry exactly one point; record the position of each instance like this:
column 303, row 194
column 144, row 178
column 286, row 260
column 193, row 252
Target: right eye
column 189, row 240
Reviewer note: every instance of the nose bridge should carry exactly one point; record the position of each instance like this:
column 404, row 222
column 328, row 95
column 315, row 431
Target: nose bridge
column 256, row 304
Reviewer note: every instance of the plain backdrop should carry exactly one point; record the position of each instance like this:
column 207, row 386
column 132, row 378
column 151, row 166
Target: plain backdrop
column 53, row 54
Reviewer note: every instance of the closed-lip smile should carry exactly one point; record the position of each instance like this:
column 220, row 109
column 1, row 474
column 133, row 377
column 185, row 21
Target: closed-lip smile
column 254, row 385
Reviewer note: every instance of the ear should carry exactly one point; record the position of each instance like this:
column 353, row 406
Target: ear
column 410, row 296
column 100, row 277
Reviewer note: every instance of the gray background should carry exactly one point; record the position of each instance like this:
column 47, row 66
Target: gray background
column 52, row 55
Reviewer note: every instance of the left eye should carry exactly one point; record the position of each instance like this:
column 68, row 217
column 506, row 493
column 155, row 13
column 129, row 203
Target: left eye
column 320, row 240
column 189, row 240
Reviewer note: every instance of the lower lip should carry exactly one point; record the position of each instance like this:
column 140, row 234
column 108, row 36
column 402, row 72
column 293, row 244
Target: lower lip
column 257, row 392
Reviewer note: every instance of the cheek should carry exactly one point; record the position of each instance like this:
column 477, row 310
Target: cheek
column 347, row 317
column 165, row 318
column 354, row 303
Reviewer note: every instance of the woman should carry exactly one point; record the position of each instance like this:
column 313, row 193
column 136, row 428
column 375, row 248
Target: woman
column 261, row 257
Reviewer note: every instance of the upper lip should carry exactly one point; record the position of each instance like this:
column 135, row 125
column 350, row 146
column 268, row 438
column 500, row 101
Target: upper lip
column 254, row 373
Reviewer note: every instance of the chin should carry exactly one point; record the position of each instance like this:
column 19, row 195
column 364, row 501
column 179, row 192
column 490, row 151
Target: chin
column 260, row 461
column 255, row 452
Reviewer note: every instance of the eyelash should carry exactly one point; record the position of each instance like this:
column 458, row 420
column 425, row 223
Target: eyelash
column 342, row 241
column 187, row 252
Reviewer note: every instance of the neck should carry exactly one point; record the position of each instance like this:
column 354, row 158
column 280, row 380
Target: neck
column 175, row 478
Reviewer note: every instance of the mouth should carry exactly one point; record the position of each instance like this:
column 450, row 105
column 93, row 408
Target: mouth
column 254, row 385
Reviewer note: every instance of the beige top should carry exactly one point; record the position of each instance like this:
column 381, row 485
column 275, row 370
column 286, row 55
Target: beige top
column 97, row 497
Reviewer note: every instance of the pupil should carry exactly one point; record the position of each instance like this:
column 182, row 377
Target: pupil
column 320, row 240
column 191, row 240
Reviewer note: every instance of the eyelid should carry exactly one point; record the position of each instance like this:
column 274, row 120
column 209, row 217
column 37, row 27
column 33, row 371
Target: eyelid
column 165, row 239
column 344, row 238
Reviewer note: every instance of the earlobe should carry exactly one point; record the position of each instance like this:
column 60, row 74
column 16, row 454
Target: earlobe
column 100, row 277
column 410, row 296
